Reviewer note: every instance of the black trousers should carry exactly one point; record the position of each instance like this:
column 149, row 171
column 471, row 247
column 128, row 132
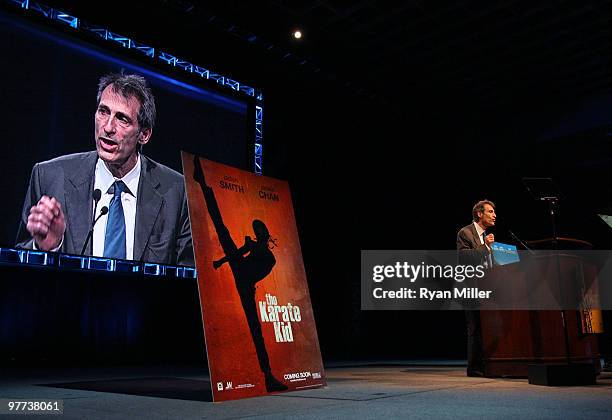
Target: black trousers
column 475, row 354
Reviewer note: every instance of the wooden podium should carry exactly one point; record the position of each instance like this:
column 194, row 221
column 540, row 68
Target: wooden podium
column 514, row 339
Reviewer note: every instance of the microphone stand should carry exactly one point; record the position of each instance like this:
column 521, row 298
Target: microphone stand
column 520, row 241
column 103, row 211
column 569, row 372
column 97, row 194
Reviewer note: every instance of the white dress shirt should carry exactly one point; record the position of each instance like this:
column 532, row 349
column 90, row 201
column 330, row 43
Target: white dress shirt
column 480, row 231
column 103, row 181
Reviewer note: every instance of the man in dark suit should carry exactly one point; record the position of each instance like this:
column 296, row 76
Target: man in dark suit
column 473, row 239
column 147, row 216
column 474, row 246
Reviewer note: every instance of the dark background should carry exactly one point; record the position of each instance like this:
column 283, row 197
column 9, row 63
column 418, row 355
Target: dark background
column 391, row 119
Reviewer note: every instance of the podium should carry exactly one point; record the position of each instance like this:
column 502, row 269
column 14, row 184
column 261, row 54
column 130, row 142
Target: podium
column 514, row 339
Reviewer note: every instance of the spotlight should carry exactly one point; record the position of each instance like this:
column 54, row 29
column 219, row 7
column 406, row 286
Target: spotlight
column 297, row 34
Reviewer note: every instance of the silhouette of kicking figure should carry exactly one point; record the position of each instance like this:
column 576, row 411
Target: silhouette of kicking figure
column 249, row 264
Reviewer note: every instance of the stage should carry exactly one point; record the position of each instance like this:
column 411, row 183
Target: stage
column 416, row 389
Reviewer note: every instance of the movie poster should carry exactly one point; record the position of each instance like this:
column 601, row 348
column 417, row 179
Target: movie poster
column 258, row 321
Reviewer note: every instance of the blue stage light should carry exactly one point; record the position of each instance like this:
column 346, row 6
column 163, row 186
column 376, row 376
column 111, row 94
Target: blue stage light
column 247, row 90
column 201, row 71
column 46, row 11
column 38, row 258
column 168, row 58
column 154, row 269
column 258, row 139
column 119, row 39
column 24, row 4
column 188, row 67
column 70, row 20
column 145, row 49
column 232, row 84
column 81, row 263
column 217, row 78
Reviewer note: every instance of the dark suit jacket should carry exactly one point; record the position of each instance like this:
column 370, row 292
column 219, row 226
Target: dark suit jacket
column 468, row 241
column 162, row 231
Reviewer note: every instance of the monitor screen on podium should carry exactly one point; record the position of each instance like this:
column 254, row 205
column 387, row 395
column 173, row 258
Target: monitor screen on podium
column 504, row 253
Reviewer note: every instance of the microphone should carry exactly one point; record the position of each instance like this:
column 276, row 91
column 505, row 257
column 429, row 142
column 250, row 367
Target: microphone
column 516, row 238
column 97, row 194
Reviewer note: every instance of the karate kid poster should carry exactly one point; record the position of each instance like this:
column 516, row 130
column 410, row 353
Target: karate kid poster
column 258, row 321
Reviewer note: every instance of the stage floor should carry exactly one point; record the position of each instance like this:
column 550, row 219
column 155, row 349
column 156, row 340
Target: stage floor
column 437, row 389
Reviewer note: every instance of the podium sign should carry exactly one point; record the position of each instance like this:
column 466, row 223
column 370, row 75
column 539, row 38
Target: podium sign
column 258, row 321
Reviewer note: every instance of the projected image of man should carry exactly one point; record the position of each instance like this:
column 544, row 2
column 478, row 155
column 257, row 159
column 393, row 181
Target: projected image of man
column 140, row 205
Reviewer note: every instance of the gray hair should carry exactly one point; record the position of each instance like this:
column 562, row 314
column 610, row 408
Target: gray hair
column 128, row 86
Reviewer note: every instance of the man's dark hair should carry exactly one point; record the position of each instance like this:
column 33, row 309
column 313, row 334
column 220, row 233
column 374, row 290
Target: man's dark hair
column 479, row 208
column 132, row 85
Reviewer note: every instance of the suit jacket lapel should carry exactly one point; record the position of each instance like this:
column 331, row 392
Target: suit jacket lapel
column 78, row 196
column 148, row 206
column 476, row 236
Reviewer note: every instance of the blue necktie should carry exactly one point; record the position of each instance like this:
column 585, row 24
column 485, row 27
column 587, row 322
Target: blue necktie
column 488, row 259
column 114, row 239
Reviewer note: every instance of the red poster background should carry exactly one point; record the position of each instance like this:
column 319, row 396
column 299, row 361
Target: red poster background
column 243, row 197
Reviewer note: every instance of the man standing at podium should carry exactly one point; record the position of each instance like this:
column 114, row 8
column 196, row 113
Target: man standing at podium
column 474, row 244
column 473, row 238
column 140, row 205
